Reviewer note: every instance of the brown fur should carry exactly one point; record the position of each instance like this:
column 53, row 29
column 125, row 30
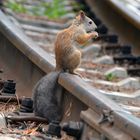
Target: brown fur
column 68, row 57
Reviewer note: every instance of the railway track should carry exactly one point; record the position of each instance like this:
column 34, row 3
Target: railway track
column 110, row 72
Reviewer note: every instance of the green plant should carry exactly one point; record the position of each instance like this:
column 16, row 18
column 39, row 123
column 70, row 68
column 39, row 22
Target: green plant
column 110, row 77
column 14, row 6
column 54, row 9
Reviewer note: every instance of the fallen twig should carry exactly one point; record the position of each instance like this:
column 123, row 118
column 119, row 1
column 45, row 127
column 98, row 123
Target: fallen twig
column 27, row 118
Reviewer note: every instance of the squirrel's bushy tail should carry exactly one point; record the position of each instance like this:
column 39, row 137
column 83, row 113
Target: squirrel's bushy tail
column 47, row 97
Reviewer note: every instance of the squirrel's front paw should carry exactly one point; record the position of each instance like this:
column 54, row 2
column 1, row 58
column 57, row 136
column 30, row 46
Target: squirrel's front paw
column 94, row 35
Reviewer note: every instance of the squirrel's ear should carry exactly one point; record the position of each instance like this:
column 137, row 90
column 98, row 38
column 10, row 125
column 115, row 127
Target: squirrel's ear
column 82, row 14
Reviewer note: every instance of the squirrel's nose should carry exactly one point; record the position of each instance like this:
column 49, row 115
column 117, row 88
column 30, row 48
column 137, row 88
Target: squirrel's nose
column 95, row 27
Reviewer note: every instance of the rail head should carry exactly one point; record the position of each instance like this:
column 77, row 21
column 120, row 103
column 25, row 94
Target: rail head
column 75, row 85
column 86, row 93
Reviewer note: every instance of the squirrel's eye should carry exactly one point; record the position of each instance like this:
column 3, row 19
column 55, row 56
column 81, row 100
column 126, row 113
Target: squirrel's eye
column 90, row 22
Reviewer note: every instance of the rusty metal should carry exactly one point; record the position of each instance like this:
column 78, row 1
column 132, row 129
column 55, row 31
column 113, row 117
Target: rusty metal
column 107, row 117
column 93, row 98
column 87, row 94
column 26, row 118
column 128, row 123
column 110, row 131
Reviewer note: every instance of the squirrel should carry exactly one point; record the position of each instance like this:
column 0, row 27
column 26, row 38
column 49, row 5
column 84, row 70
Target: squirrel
column 47, row 94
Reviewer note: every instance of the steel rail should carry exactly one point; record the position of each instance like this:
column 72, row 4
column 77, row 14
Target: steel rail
column 112, row 132
column 98, row 102
column 125, row 12
column 75, row 85
column 32, row 51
